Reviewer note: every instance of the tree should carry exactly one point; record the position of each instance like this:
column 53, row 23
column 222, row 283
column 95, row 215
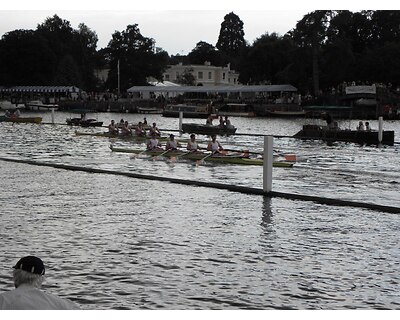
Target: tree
column 76, row 46
column 266, row 59
column 84, row 51
column 68, row 73
column 136, row 56
column 310, row 32
column 25, row 59
column 231, row 36
column 187, row 77
column 205, row 52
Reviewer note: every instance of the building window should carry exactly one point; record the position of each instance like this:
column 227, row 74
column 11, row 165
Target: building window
column 200, row 75
column 223, row 76
column 176, row 75
column 209, row 75
column 167, row 77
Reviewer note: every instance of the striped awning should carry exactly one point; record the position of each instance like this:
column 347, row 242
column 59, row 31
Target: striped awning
column 41, row 89
column 215, row 89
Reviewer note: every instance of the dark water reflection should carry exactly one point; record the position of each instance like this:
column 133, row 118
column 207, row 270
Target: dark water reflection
column 112, row 242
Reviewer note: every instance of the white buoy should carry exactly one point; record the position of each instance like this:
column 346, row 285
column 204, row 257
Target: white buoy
column 268, row 161
column 52, row 115
column 180, row 122
column 380, row 131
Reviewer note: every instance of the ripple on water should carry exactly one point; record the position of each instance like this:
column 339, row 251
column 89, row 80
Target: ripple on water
column 135, row 244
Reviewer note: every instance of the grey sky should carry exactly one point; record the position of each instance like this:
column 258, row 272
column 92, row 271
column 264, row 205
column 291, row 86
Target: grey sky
column 175, row 25
column 174, row 31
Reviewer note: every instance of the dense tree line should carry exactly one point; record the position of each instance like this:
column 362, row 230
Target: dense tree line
column 323, row 50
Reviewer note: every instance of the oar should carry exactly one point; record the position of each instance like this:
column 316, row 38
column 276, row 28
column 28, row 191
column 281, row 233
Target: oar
column 136, row 155
column 173, row 158
column 244, row 151
column 161, row 154
column 288, row 157
column 201, row 161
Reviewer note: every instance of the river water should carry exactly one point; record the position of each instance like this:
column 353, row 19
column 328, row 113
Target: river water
column 113, row 242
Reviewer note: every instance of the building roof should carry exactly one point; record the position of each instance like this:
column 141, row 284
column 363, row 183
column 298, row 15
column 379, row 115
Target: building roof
column 219, row 89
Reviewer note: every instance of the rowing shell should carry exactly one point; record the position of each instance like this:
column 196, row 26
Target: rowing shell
column 119, row 136
column 232, row 159
column 130, row 137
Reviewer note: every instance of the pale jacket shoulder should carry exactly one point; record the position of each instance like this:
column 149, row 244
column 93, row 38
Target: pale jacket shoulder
column 31, row 298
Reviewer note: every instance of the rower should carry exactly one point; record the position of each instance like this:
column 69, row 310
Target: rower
column 155, row 130
column 16, row 114
column 228, row 123
column 214, row 146
column 112, row 128
column 153, row 144
column 126, row 130
column 192, row 144
column 172, row 144
column 209, row 120
column 139, row 130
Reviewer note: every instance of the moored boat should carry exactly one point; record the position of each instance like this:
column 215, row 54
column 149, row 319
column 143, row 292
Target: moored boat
column 84, row 123
column 364, row 137
column 285, row 113
column 150, row 110
column 208, row 129
column 8, row 105
column 38, row 104
column 235, row 158
column 236, row 110
column 188, row 111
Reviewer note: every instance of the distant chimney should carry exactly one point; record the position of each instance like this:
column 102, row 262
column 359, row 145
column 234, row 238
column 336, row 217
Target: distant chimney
column 207, row 63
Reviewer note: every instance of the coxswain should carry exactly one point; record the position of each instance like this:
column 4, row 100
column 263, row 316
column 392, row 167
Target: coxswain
column 214, row 146
column 209, row 120
column 192, row 144
column 221, row 122
column 144, row 121
column 172, row 144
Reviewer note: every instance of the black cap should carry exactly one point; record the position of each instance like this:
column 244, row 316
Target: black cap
column 30, row 264
column 171, row 135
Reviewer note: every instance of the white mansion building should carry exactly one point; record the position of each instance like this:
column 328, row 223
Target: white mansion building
column 206, row 75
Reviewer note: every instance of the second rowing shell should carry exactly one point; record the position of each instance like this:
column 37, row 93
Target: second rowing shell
column 232, row 159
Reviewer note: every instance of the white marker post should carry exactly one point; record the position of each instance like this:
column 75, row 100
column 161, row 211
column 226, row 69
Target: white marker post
column 180, row 122
column 380, row 132
column 52, row 115
column 267, row 165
